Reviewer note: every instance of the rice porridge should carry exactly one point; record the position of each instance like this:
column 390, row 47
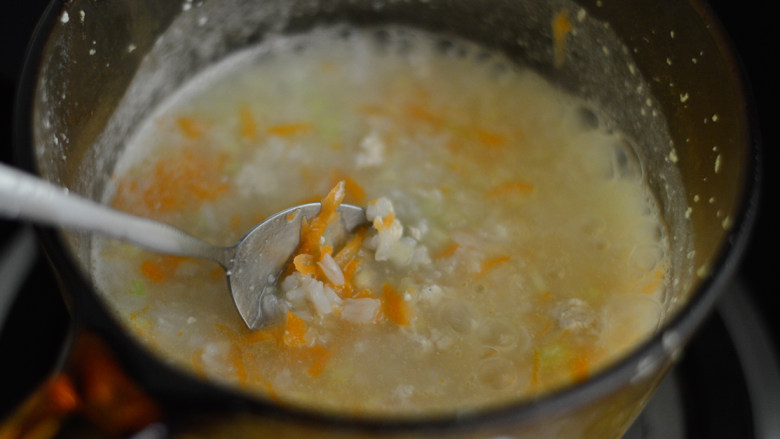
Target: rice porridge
column 513, row 246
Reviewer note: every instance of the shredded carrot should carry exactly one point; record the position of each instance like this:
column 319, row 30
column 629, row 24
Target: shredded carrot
column 350, row 250
column 448, row 251
column 381, row 224
column 321, row 358
column 348, row 289
column 289, row 129
column 492, row 263
column 183, row 179
column 152, row 271
column 514, row 187
column 394, row 306
column 580, row 366
column 135, row 315
column 354, row 191
column 269, row 388
column 304, row 264
column 248, row 128
column 294, row 331
column 490, row 139
column 159, row 268
column 652, row 287
column 561, row 26
column 271, row 333
column 422, row 114
column 237, row 361
column 190, row 127
column 313, row 231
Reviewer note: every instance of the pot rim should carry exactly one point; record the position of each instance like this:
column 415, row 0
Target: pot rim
column 651, row 355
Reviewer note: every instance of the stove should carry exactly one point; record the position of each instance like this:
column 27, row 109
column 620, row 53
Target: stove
column 726, row 385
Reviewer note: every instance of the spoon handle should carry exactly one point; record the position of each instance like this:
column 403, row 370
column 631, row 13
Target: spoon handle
column 23, row 196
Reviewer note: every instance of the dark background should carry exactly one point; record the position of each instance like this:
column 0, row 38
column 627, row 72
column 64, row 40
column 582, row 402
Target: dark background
column 749, row 23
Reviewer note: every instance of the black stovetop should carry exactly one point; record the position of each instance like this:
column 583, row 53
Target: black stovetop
column 730, row 350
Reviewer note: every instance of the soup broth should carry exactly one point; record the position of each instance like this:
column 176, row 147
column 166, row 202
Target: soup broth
column 514, row 245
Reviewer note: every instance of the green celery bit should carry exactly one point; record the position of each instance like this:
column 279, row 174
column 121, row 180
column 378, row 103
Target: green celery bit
column 553, row 355
column 138, row 288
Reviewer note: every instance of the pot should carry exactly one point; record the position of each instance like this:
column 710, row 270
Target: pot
column 663, row 72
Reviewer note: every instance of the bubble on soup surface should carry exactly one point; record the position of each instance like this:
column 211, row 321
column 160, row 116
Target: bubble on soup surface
column 458, row 316
column 625, row 163
column 497, row 373
column 587, row 118
column 591, row 157
column 499, row 334
column 646, row 257
column 576, row 315
column 629, row 318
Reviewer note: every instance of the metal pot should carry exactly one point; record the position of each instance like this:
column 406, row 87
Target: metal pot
column 662, row 72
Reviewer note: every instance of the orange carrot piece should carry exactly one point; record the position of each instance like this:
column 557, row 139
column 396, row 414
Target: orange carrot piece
column 312, row 231
column 183, row 179
column 348, row 289
column 294, row 331
column 271, row 333
column 289, row 129
column 355, row 192
column 448, row 251
column 394, row 306
column 304, row 264
column 191, row 128
column 321, row 358
column 515, row 187
column 580, row 367
column 159, row 268
column 152, row 271
column 490, row 139
column 350, row 249
column 384, row 223
column 492, row 263
column 247, row 126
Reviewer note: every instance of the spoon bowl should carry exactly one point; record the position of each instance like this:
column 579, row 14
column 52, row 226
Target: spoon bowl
column 259, row 257
column 252, row 265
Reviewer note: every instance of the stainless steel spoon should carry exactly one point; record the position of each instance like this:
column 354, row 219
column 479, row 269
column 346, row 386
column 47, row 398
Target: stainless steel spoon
column 252, row 265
